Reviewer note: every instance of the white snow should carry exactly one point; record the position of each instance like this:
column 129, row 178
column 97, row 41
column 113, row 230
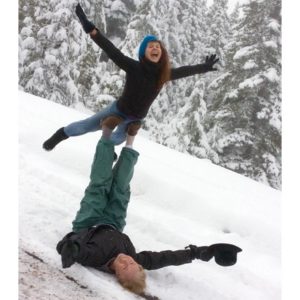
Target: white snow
column 246, row 51
column 274, row 25
column 251, row 82
column 272, row 75
column 38, row 73
column 238, row 138
column 250, row 64
column 25, row 31
column 271, row 44
column 27, row 21
column 29, row 43
column 176, row 200
column 50, row 59
column 118, row 5
column 61, row 35
column 232, row 94
column 218, row 80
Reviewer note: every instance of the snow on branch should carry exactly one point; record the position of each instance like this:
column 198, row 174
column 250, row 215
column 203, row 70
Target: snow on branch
column 251, row 82
column 246, row 51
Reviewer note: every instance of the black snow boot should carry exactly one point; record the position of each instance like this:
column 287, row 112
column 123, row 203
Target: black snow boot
column 56, row 138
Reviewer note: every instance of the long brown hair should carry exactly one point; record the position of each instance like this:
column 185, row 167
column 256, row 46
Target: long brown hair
column 164, row 61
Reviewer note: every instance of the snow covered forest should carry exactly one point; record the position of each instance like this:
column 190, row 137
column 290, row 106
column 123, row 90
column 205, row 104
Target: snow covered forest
column 232, row 116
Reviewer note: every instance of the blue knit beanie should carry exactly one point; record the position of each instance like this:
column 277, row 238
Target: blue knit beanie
column 144, row 43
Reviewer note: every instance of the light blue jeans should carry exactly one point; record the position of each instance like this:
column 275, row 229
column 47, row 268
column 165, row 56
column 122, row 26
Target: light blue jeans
column 92, row 124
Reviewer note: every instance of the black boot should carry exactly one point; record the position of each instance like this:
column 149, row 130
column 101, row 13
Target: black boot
column 56, row 138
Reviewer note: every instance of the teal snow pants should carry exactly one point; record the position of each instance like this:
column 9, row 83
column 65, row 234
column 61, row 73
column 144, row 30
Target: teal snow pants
column 107, row 196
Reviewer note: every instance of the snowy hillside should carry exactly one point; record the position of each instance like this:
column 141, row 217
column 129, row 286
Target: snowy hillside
column 176, row 200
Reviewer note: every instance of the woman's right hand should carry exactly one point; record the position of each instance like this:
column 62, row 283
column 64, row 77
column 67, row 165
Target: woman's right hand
column 87, row 25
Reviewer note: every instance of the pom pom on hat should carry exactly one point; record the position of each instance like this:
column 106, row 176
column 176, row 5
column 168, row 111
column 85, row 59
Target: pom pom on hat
column 144, row 43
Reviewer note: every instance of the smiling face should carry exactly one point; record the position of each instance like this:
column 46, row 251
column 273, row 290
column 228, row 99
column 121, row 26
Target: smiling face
column 125, row 267
column 153, row 51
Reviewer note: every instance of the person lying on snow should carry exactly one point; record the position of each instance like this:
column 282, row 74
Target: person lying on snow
column 144, row 80
column 97, row 239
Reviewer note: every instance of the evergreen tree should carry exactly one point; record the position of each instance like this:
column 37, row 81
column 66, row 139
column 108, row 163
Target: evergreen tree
column 52, row 72
column 29, row 53
column 118, row 14
column 244, row 122
column 89, row 62
column 235, row 16
column 192, row 135
column 219, row 29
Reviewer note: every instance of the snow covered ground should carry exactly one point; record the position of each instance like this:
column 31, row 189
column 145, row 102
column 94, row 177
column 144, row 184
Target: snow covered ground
column 176, row 200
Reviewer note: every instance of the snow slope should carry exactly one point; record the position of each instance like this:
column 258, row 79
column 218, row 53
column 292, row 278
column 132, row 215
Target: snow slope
column 176, row 200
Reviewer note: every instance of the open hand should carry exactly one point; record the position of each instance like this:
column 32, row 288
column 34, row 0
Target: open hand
column 210, row 61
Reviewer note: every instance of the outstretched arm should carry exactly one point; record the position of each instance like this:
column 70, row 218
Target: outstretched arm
column 224, row 254
column 195, row 69
column 122, row 61
column 150, row 260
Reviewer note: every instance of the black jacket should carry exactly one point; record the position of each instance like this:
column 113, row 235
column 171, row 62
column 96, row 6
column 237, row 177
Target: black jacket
column 99, row 245
column 141, row 78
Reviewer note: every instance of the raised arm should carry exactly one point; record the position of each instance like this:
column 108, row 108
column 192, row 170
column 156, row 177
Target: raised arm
column 185, row 71
column 122, row 61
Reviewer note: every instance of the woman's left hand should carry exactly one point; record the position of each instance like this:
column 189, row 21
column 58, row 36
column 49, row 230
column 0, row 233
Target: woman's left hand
column 210, row 61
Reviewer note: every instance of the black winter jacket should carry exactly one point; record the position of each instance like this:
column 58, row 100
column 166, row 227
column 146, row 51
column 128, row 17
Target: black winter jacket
column 141, row 78
column 99, row 245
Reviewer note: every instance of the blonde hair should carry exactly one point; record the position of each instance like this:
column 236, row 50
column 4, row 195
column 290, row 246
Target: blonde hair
column 137, row 284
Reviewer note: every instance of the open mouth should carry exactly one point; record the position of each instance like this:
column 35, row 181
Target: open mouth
column 154, row 55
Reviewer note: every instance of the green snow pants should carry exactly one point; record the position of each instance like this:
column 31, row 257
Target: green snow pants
column 107, row 196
